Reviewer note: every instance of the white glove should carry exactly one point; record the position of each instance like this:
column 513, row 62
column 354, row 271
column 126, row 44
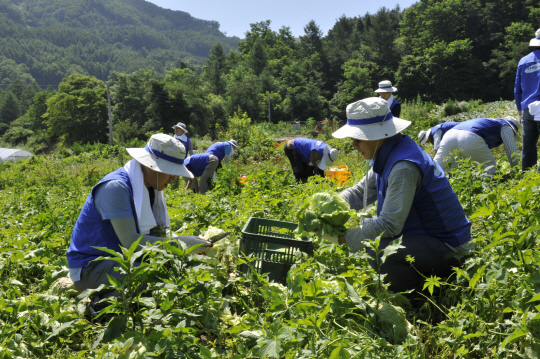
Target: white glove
column 330, row 238
column 194, row 240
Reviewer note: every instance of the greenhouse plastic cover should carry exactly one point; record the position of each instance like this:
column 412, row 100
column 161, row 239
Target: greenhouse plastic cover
column 13, row 155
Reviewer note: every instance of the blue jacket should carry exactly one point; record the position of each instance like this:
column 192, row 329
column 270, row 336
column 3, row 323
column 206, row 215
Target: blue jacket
column 527, row 86
column 219, row 149
column 304, row 146
column 444, row 127
column 92, row 231
column 487, row 128
column 197, row 163
column 187, row 145
column 435, row 210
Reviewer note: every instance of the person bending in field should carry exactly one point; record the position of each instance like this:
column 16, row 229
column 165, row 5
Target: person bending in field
column 223, row 150
column 414, row 199
column 309, row 157
column 202, row 165
column 435, row 134
column 124, row 205
column 475, row 138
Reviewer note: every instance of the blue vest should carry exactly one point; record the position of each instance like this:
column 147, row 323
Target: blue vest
column 487, row 128
column 444, row 127
column 394, row 103
column 197, row 163
column 218, row 150
column 304, row 146
column 186, row 144
column 92, row 231
column 435, row 210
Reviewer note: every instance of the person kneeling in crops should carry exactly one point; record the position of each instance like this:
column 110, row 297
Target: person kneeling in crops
column 124, row 205
column 201, row 165
column 309, row 157
column 414, row 199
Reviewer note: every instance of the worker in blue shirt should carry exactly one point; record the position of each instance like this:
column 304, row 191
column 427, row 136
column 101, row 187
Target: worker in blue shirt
column 309, row 157
column 435, row 134
column 386, row 91
column 527, row 96
column 202, row 165
column 223, row 150
column 180, row 131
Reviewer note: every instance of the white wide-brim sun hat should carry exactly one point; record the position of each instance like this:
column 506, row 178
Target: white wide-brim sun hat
column 512, row 121
column 423, row 136
column 330, row 155
column 181, row 126
column 370, row 119
column 162, row 153
column 385, row 86
column 535, row 41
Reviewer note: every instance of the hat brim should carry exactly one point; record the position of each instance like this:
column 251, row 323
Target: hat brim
column 183, row 129
column 158, row 164
column 394, row 89
column 373, row 132
column 534, row 42
column 426, row 137
column 325, row 161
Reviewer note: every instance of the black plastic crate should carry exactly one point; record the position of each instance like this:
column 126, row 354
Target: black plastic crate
column 271, row 245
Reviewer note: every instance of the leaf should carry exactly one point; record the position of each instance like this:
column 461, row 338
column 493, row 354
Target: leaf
column 483, row 211
column 339, row 353
column 270, row 349
column 392, row 248
column 60, row 329
column 205, row 352
column 432, row 282
column 116, row 328
column 354, row 297
column 323, row 314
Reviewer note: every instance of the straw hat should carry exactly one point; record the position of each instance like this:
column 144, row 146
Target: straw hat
column 370, row 119
column 164, row 154
column 386, row 86
column 423, row 136
column 536, row 40
column 181, row 125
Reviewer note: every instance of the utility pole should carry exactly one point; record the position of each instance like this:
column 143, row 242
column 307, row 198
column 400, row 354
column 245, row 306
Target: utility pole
column 110, row 113
column 269, row 114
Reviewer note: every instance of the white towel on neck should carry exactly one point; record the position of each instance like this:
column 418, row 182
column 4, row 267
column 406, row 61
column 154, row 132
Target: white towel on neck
column 183, row 137
column 146, row 218
column 390, row 100
column 534, row 109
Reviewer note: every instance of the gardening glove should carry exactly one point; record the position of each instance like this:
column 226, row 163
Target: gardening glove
column 331, row 238
column 194, row 240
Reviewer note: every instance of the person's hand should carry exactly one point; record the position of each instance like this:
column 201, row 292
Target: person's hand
column 194, row 240
column 331, row 238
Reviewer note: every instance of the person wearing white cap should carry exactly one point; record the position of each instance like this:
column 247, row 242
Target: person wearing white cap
column 435, row 134
column 309, row 157
column 124, row 205
column 414, row 199
column 386, row 91
column 475, row 138
column 223, row 150
column 180, row 131
column 527, row 97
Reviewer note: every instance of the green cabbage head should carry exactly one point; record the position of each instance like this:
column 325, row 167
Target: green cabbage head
column 323, row 213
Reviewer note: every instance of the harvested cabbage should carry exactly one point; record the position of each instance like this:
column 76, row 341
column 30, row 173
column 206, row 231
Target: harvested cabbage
column 392, row 324
column 323, row 213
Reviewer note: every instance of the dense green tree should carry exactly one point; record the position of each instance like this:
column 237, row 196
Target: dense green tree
column 9, row 108
column 38, row 109
column 216, row 69
column 78, row 111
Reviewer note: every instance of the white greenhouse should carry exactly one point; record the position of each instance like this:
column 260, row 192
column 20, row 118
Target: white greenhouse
column 13, row 155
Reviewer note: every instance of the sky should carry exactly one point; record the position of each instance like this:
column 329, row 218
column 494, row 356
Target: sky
column 235, row 16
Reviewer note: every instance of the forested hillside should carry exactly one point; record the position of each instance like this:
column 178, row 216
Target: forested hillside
column 434, row 51
column 47, row 40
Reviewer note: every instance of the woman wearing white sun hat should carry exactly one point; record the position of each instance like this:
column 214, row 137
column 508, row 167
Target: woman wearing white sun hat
column 386, row 91
column 180, row 131
column 124, row 205
column 414, row 198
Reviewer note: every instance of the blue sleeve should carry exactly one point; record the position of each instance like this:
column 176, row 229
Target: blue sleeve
column 227, row 149
column 517, row 89
column 112, row 200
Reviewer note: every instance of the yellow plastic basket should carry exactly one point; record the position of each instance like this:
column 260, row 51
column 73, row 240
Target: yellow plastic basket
column 339, row 173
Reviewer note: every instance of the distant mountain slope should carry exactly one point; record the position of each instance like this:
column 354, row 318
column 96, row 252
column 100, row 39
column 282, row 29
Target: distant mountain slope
column 50, row 39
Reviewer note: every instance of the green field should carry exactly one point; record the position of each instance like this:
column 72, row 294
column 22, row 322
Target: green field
column 332, row 306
